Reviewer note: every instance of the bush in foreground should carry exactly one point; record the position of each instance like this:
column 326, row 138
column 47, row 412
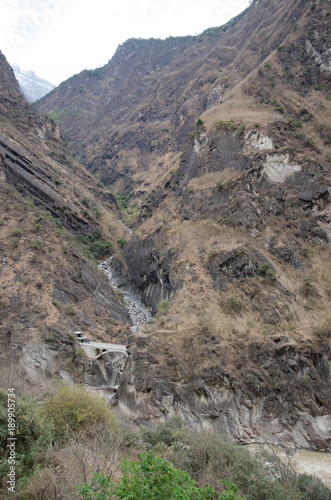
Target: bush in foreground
column 151, row 478
column 73, row 409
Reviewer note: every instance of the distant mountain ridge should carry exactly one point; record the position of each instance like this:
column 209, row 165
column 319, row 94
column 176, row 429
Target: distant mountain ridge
column 32, row 86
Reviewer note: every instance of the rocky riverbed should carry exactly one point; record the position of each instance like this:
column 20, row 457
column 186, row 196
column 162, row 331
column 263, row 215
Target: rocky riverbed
column 138, row 312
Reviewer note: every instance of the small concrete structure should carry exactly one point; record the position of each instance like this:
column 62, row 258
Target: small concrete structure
column 104, row 363
column 94, row 350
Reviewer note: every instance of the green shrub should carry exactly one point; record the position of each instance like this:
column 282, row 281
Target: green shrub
column 37, row 245
column 229, row 184
column 70, row 310
column 33, row 258
column 306, row 251
column 312, row 488
column 294, row 122
column 324, row 331
column 268, row 272
column 162, row 307
column 307, row 383
column 33, row 430
column 15, row 242
column 151, row 478
column 234, row 304
column 93, row 246
column 80, row 352
column 213, row 458
column 73, row 409
column 123, row 200
column 280, row 109
column 100, row 248
column 199, row 122
column 164, row 433
column 121, row 242
column 16, row 233
column 97, row 212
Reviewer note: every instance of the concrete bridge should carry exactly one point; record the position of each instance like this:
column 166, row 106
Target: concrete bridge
column 104, row 364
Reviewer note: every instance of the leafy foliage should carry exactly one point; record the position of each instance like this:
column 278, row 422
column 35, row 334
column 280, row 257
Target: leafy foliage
column 163, row 433
column 94, row 246
column 33, row 432
column 151, row 478
column 121, row 242
column 163, row 307
column 123, row 200
column 312, row 488
column 73, row 409
column 268, row 272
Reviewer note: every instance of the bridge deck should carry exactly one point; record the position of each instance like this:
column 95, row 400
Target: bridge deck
column 109, row 347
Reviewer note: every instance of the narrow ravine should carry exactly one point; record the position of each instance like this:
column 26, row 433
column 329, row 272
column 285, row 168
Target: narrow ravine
column 138, row 312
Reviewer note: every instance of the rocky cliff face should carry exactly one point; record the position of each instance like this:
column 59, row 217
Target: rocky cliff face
column 277, row 402
column 54, row 221
column 228, row 252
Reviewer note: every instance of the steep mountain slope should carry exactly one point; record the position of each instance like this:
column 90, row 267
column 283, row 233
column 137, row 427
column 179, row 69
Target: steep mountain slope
column 54, row 222
column 232, row 244
column 129, row 119
column 31, row 85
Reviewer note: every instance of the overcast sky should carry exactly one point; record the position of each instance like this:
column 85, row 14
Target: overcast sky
column 58, row 38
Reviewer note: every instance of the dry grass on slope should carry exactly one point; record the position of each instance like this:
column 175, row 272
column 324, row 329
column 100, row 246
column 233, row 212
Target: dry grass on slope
column 197, row 308
column 239, row 107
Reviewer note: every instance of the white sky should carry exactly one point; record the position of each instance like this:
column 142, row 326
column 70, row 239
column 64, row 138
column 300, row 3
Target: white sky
column 58, row 38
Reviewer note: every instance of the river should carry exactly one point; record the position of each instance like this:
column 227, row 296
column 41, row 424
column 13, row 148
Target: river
column 306, row 462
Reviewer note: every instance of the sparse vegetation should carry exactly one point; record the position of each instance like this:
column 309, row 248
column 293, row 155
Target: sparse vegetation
column 268, row 272
column 234, row 304
column 16, row 233
column 280, row 109
column 37, row 245
column 15, row 242
column 121, row 242
column 70, row 310
column 308, row 288
column 163, row 307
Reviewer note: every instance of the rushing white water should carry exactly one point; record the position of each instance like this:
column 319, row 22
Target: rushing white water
column 138, row 312
column 306, row 462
